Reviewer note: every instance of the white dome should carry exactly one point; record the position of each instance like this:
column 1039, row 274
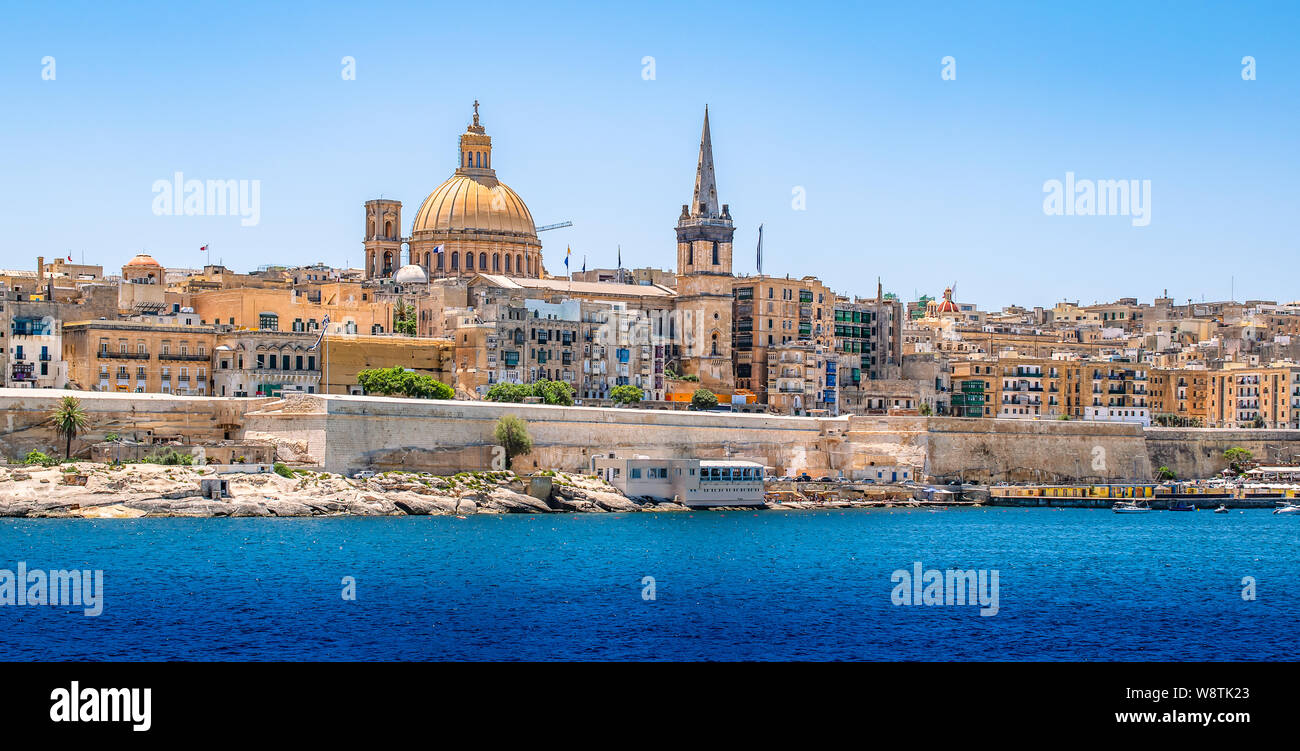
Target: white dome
column 411, row 274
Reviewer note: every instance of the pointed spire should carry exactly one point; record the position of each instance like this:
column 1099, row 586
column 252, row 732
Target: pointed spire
column 706, row 186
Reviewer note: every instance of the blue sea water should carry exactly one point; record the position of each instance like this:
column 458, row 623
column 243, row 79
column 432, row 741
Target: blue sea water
column 1074, row 584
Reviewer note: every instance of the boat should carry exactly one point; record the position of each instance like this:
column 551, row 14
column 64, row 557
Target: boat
column 1131, row 507
column 1182, row 506
column 1287, row 508
column 1222, row 509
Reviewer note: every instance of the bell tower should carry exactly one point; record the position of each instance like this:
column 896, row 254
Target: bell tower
column 383, row 240
column 704, row 280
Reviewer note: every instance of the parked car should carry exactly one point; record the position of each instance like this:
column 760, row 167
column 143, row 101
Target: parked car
column 825, row 478
column 364, row 474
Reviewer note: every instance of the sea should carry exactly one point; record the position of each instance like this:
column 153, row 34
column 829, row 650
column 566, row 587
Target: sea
column 1071, row 584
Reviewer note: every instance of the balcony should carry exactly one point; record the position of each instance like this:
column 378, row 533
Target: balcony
column 105, row 354
column 182, row 357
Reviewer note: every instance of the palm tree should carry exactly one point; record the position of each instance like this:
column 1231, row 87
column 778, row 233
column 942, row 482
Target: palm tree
column 70, row 419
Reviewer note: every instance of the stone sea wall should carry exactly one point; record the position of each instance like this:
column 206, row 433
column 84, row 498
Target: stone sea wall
column 346, row 433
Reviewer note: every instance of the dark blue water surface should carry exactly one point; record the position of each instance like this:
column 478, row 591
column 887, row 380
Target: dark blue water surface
column 768, row 585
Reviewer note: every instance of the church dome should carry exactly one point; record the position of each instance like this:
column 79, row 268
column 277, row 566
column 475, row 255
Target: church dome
column 142, row 260
column 411, row 274
column 474, row 203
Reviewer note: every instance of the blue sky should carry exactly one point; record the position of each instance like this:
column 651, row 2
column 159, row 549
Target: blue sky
column 908, row 177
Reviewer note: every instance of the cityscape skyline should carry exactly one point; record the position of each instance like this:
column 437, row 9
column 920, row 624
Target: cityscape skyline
column 948, row 188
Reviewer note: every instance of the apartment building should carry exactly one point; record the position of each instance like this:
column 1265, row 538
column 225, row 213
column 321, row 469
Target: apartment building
column 139, row 357
column 1267, row 397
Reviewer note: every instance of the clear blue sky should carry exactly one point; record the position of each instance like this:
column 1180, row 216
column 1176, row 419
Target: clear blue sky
column 909, row 177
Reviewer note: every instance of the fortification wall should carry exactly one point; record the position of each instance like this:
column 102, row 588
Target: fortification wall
column 345, row 433
column 25, row 423
column 1198, row 452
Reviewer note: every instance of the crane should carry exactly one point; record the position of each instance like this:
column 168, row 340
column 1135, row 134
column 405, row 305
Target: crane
column 545, row 227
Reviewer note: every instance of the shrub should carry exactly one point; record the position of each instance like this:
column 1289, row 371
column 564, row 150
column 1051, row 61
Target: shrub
column 282, row 470
column 38, row 457
column 703, row 399
column 170, row 457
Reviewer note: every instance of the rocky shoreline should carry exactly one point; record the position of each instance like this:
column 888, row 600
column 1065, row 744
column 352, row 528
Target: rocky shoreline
column 100, row 491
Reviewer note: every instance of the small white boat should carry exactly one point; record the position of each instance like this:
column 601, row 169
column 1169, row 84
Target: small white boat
column 1131, row 507
column 1287, row 508
column 1222, row 509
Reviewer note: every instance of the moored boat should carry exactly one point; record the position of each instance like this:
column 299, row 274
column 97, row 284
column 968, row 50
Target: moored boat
column 1287, row 508
column 1222, row 509
column 1131, row 507
column 1182, row 506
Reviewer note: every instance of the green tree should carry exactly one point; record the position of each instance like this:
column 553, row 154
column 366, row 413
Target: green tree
column 508, row 392
column 703, row 399
column 400, row 381
column 69, row 420
column 1165, row 473
column 404, row 319
column 554, row 392
column 512, row 435
column 926, row 410
column 1236, row 457
column 626, row 394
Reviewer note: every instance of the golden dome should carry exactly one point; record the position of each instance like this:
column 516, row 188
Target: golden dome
column 476, row 202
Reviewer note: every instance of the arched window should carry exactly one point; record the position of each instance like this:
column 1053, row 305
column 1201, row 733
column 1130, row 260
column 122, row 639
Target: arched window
column 469, row 261
column 496, row 263
column 455, row 261
column 370, row 227
column 482, row 261
column 507, row 263
column 715, row 254
column 519, row 264
column 440, row 255
column 388, row 229
column 426, row 261
column 690, row 255
column 715, row 343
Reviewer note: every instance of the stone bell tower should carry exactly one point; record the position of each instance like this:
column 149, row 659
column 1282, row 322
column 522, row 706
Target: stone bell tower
column 383, row 240
column 704, row 280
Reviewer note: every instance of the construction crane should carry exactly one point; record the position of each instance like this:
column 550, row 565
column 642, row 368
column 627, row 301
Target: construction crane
column 545, row 227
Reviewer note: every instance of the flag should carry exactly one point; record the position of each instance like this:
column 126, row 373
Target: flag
column 620, row 256
column 760, row 249
column 204, row 248
column 584, row 263
column 69, row 258
column 567, row 252
column 324, row 324
column 437, row 249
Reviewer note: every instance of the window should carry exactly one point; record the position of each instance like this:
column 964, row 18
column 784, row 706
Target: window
column 715, row 254
column 268, row 321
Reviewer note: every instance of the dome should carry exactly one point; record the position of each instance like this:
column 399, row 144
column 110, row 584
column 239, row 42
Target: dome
column 142, row 259
column 475, row 203
column 411, row 274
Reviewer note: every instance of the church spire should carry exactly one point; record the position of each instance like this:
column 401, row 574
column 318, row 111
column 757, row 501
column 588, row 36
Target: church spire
column 706, row 187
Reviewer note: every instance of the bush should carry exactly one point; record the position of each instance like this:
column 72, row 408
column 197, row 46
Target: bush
column 703, row 399
column 626, row 394
column 512, row 435
column 169, row 456
column 282, row 470
column 37, row 457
